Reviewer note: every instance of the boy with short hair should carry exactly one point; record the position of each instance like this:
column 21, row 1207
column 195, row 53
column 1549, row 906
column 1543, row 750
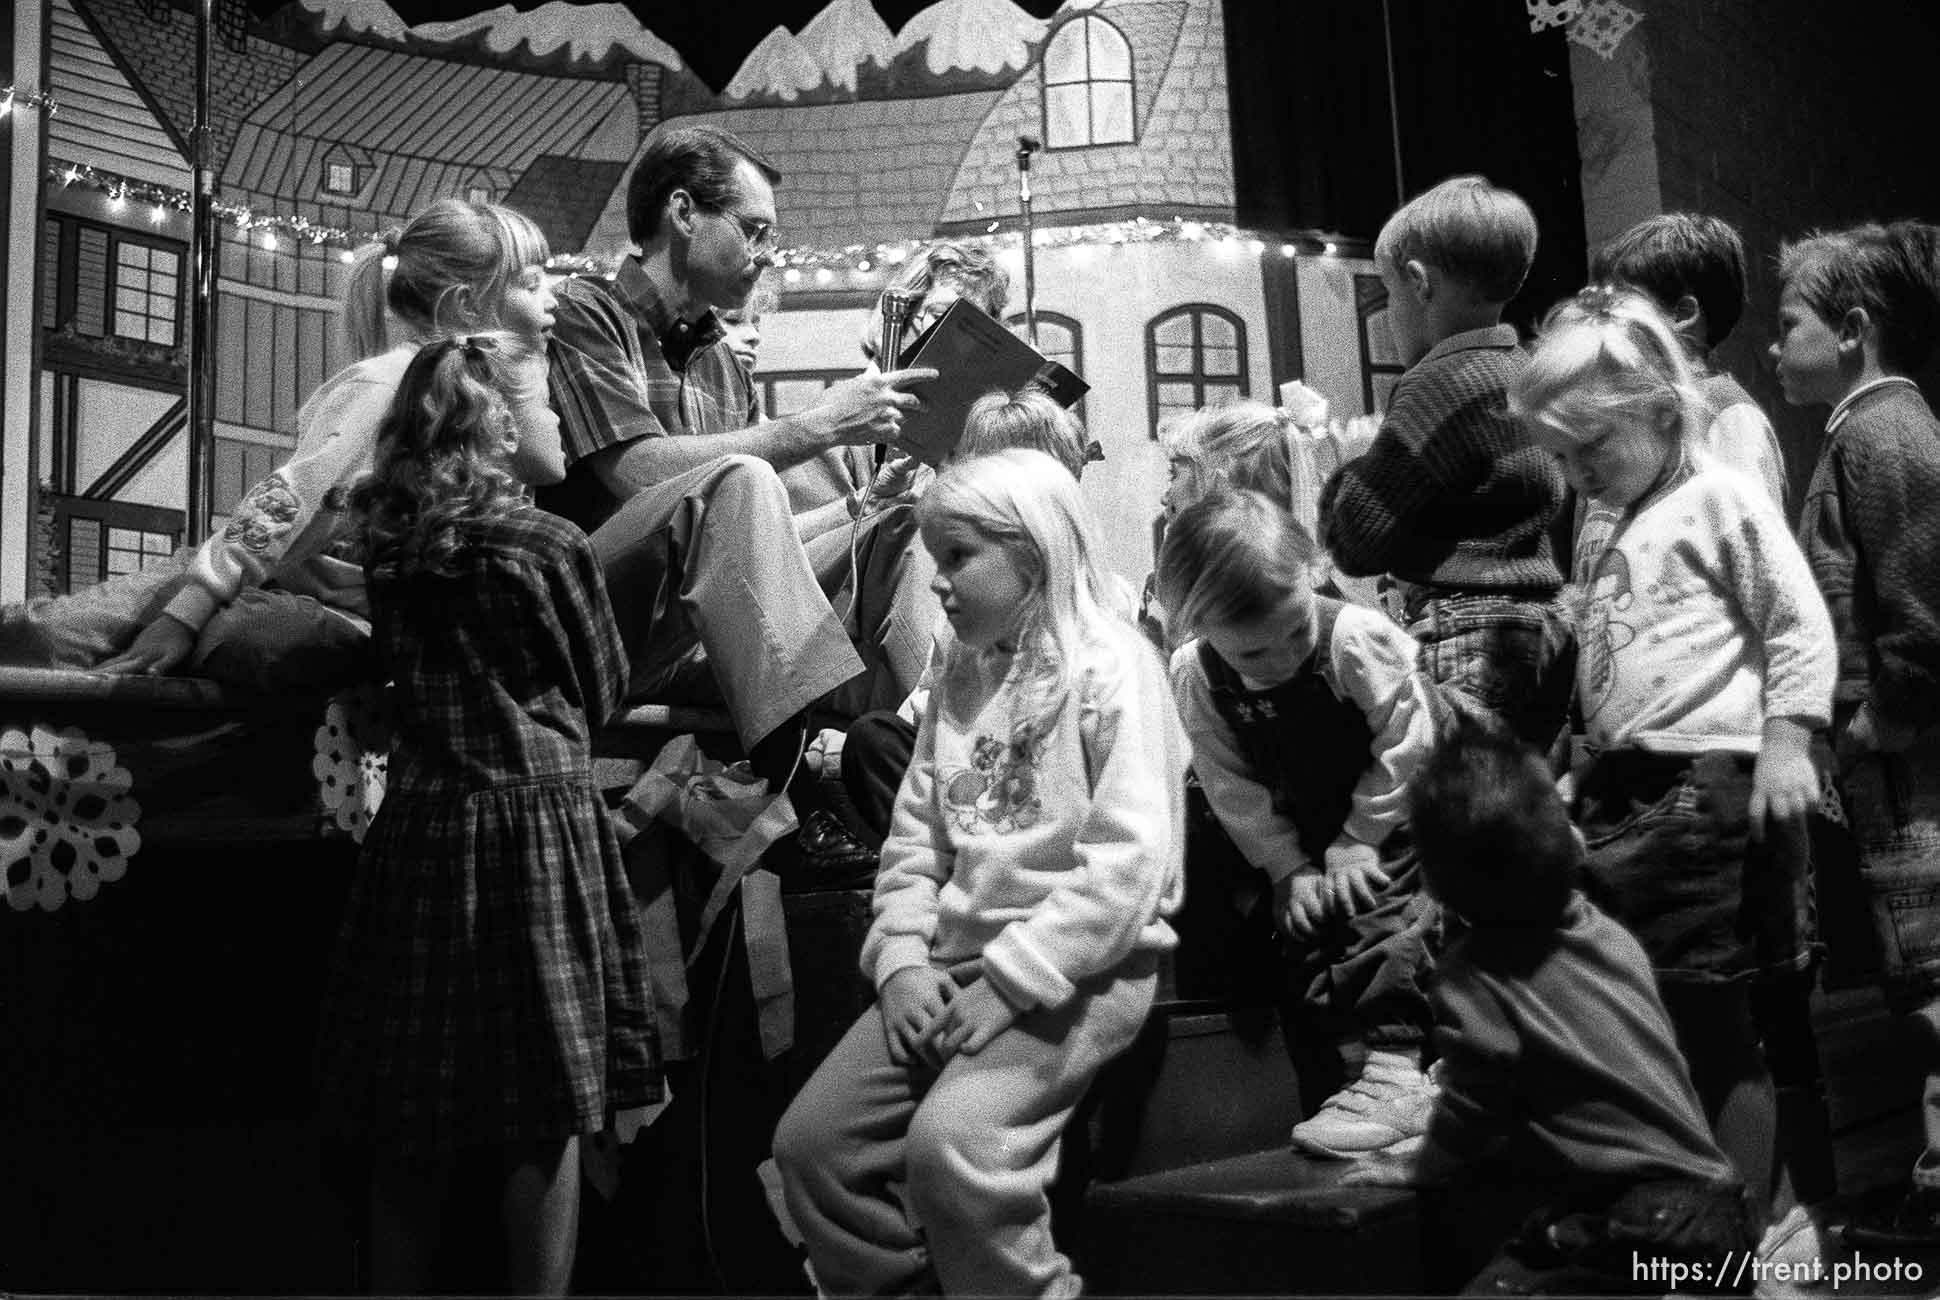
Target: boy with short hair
column 1454, row 500
column 1555, row 1044
column 1307, row 716
column 1693, row 266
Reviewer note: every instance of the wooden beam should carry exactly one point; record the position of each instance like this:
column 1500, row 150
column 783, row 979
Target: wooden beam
column 144, row 449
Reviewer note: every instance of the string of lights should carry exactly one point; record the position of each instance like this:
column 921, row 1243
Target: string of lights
column 852, row 264
column 12, row 97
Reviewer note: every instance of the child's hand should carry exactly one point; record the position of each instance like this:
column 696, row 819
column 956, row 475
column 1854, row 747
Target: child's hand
column 1353, row 876
column 1784, row 783
column 159, row 648
column 973, row 1018
column 1298, row 902
column 912, row 999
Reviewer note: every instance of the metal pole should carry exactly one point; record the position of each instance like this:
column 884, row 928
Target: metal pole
column 1394, row 104
column 203, row 249
column 1026, row 146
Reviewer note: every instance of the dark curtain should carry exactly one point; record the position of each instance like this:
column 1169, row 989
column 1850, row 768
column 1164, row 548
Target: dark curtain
column 1477, row 91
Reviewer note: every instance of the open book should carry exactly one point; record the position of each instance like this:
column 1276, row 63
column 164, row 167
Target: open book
column 973, row 353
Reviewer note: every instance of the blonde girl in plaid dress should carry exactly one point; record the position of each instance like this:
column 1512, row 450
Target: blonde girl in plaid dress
column 489, row 995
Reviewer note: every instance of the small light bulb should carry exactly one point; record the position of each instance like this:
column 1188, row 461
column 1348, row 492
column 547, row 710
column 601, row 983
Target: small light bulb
column 823, row 275
column 1329, row 250
column 1288, row 250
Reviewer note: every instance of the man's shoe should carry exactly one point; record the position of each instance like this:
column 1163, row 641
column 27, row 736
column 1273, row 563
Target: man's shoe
column 1389, row 1103
column 831, row 857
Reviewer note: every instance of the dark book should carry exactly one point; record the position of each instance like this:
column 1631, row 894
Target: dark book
column 973, row 354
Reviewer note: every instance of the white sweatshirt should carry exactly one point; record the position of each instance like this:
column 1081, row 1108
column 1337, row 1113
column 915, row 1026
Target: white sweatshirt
column 1053, row 859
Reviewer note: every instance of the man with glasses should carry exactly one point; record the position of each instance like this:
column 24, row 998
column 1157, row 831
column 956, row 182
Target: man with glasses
column 687, row 497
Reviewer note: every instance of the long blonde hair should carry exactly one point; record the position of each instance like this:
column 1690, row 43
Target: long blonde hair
column 451, row 245
column 1026, row 503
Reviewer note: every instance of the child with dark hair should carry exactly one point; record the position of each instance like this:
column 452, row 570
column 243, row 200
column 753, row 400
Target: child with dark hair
column 1859, row 313
column 1308, row 715
column 1555, row 1047
column 1693, row 267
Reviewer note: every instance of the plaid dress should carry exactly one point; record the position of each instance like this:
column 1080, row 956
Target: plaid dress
column 490, row 981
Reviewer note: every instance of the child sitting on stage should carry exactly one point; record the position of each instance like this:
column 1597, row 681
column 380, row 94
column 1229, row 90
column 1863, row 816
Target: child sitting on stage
column 1554, row 1044
column 877, row 749
column 1020, row 911
column 1308, row 716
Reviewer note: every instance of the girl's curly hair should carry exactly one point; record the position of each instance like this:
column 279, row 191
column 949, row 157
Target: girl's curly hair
column 441, row 459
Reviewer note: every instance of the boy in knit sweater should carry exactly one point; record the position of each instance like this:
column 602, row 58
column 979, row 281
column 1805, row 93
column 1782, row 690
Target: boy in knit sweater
column 1555, row 1047
column 1453, row 500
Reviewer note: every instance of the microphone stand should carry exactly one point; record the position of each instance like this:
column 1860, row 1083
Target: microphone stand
column 1026, row 146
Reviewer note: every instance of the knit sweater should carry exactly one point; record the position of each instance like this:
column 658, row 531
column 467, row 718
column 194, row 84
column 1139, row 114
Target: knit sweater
column 284, row 527
column 1051, row 854
column 1453, row 493
column 1563, row 1048
column 1871, row 533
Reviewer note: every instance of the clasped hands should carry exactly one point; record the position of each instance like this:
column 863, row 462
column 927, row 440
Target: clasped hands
column 1349, row 881
column 927, row 1018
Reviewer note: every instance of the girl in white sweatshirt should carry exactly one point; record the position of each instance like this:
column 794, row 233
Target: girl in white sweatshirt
column 1021, row 903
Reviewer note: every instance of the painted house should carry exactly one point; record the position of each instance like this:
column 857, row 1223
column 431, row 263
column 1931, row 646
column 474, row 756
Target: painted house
column 353, row 123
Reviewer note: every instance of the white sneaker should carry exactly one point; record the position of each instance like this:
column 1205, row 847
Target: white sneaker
column 1791, row 1257
column 1389, row 1103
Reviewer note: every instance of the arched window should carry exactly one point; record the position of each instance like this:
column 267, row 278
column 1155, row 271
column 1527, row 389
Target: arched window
column 1087, row 85
column 1060, row 338
column 1194, row 356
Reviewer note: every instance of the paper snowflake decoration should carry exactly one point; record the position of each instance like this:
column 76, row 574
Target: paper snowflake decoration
column 67, row 823
column 1552, row 13
column 353, row 748
column 1602, row 26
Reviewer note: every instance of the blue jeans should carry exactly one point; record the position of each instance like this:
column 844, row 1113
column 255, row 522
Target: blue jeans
column 1511, row 656
column 1893, row 805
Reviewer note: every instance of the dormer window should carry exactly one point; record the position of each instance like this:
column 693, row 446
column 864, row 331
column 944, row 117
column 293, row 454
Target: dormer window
column 346, row 173
column 1087, row 85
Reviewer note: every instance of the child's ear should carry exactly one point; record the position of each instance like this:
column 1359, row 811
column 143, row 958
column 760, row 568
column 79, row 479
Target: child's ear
column 1855, row 327
column 462, row 302
column 1418, row 275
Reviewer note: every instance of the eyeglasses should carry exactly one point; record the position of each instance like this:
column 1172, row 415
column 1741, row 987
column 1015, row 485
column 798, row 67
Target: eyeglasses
column 762, row 236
